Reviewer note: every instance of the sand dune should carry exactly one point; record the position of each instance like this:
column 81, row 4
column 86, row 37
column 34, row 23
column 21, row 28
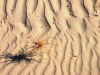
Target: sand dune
column 63, row 36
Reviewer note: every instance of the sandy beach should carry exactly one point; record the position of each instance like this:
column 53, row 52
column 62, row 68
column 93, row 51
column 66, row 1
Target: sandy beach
column 49, row 37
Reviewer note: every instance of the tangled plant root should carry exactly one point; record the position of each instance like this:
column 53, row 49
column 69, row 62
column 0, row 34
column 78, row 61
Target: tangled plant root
column 37, row 43
column 20, row 57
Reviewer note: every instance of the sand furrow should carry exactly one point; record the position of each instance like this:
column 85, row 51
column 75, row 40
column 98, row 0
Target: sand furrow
column 3, row 13
column 51, row 69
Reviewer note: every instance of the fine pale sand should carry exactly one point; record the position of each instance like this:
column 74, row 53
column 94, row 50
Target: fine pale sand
column 63, row 35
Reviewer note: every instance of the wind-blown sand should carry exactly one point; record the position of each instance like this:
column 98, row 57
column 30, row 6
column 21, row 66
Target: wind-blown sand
column 63, row 34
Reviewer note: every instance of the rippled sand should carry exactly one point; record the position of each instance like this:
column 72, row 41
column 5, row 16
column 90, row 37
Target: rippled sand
column 64, row 36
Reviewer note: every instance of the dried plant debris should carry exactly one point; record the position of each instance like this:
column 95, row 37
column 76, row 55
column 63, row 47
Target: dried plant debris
column 38, row 44
column 21, row 56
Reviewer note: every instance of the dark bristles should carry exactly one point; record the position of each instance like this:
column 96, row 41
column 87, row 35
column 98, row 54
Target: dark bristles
column 19, row 57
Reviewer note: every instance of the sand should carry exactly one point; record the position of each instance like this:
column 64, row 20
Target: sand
column 63, row 35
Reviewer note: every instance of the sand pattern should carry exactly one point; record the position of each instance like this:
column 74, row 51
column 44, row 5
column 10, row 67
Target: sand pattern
column 63, row 35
